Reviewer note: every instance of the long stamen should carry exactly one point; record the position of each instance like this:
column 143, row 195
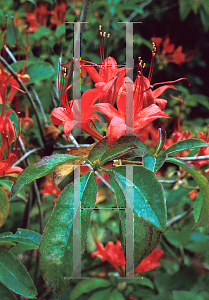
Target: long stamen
column 152, row 61
column 103, row 37
column 100, row 41
column 171, row 81
column 108, row 36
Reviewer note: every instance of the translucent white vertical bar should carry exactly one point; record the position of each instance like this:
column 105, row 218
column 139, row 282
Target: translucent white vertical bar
column 129, row 88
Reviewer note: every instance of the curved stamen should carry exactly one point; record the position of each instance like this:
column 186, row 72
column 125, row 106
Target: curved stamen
column 173, row 81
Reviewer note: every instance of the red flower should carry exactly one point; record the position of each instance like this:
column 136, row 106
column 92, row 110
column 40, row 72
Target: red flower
column 150, row 262
column 77, row 113
column 202, row 151
column 6, row 164
column 115, row 256
column 112, row 253
column 110, row 77
column 49, row 188
column 58, row 14
column 38, row 17
column 145, row 111
column 167, row 53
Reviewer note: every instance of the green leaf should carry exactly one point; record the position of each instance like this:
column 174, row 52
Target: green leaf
column 185, row 7
column 116, row 151
column 15, row 65
column 153, row 163
column 46, row 165
column 132, row 139
column 141, row 281
column 148, row 195
column 202, row 182
column 186, row 295
column 148, row 207
column 184, row 145
column 26, row 239
column 161, row 140
column 99, row 149
column 39, row 71
column 56, row 248
column 5, row 293
column 116, row 295
column 14, row 275
column 8, row 185
column 101, row 295
column 60, row 31
column 4, row 206
column 89, row 285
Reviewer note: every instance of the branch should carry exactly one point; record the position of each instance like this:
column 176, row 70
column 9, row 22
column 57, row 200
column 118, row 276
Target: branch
column 194, row 158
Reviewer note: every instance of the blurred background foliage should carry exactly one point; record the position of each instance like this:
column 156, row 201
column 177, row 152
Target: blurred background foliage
column 182, row 25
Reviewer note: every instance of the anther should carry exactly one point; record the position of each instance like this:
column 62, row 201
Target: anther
column 144, row 65
column 100, row 33
column 104, row 33
column 100, row 27
column 108, row 36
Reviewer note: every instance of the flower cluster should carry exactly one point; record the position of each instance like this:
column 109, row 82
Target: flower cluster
column 167, row 52
column 113, row 253
column 111, row 84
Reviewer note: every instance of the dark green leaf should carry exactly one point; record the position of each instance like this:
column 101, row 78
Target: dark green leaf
column 202, row 182
column 141, row 281
column 116, row 295
column 101, row 295
column 39, row 71
column 26, row 239
column 153, row 163
column 132, row 139
column 185, row 7
column 184, row 145
column 146, row 209
column 186, row 295
column 89, row 285
column 15, row 65
column 56, row 248
column 5, row 293
column 99, row 149
column 14, row 275
column 60, row 31
column 40, row 169
column 148, row 195
column 4, row 206
column 161, row 140
column 116, row 151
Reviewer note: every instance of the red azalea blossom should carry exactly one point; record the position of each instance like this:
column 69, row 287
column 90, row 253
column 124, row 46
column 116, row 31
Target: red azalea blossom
column 58, row 14
column 77, row 113
column 113, row 253
column 6, row 164
column 202, row 151
column 167, row 53
column 145, row 111
column 109, row 78
column 150, row 262
column 49, row 188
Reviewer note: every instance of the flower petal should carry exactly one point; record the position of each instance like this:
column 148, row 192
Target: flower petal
column 107, row 109
column 147, row 115
column 59, row 115
column 162, row 89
